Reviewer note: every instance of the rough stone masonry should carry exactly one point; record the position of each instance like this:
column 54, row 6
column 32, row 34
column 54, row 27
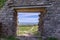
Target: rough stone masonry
column 51, row 19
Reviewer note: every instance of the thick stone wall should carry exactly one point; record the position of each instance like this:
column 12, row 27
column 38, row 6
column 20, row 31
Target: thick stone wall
column 26, row 2
column 6, row 18
column 52, row 20
column 7, row 15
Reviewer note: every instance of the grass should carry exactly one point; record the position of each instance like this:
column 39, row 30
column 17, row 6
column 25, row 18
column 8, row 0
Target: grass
column 27, row 29
column 9, row 38
column 52, row 38
column 2, row 3
column 24, row 28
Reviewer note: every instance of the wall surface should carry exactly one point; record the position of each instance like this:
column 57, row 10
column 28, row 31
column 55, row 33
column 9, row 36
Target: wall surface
column 51, row 19
column 6, row 18
column 7, row 15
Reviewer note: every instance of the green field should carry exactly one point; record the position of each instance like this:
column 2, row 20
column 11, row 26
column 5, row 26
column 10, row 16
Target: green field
column 23, row 29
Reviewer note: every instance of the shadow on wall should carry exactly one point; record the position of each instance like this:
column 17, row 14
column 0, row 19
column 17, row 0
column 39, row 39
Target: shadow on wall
column 0, row 29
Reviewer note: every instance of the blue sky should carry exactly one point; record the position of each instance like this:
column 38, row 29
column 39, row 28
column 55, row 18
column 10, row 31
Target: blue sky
column 30, row 17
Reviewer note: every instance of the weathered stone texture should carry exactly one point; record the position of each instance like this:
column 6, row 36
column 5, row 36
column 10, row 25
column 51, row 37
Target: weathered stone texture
column 26, row 2
column 6, row 18
column 7, row 15
column 52, row 20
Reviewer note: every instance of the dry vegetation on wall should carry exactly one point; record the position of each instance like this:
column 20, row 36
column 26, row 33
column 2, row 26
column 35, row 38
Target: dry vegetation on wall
column 2, row 3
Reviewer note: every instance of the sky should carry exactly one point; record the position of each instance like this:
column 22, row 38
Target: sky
column 28, row 17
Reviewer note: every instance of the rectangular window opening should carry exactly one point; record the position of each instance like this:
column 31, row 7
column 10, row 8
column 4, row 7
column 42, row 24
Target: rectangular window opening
column 27, row 23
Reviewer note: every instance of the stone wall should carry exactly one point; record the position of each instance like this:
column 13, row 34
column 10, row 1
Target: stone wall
column 7, row 15
column 6, row 18
column 52, row 20
column 26, row 2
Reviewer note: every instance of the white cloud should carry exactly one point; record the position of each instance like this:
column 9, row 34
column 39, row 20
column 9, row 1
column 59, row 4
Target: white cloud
column 28, row 13
column 21, row 16
column 28, row 20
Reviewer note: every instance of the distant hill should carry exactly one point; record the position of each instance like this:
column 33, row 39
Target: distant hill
column 26, row 23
